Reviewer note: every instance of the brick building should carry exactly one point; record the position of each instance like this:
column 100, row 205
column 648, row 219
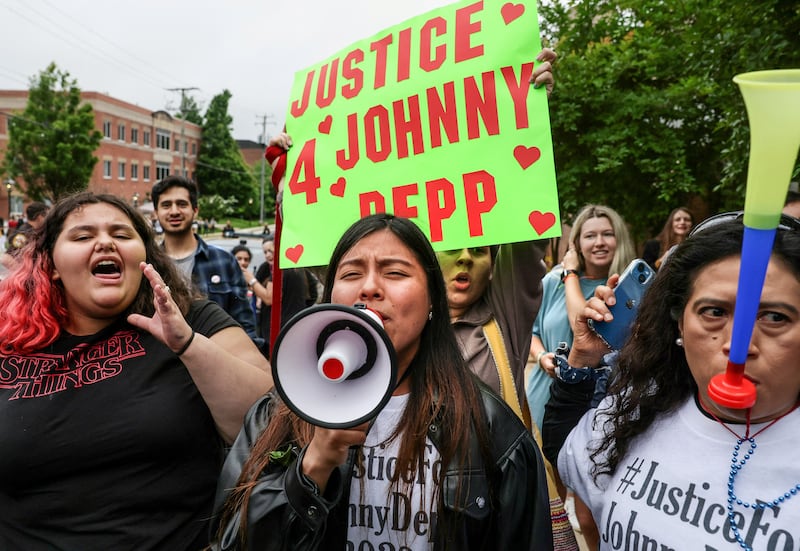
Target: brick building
column 139, row 147
column 252, row 152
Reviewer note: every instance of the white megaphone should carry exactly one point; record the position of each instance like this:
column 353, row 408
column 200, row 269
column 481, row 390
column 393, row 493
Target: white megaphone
column 334, row 365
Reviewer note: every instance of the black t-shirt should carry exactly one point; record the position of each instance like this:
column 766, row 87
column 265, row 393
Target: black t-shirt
column 107, row 444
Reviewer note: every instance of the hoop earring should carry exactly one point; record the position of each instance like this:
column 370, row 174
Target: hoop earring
column 679, row 341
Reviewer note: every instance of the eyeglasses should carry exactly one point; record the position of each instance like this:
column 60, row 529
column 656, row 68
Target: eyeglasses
column 786, row 222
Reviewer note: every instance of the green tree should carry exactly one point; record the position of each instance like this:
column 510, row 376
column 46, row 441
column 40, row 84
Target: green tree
column 221, row 169
column 645, row 115
column 190, row 110
column 215, row 206
column 51, row 143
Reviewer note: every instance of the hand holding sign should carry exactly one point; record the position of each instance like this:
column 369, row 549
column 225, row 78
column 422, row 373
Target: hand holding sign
column 434, row 120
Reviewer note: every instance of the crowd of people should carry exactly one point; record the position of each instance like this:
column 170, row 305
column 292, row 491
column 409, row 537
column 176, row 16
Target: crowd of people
column 138, row 411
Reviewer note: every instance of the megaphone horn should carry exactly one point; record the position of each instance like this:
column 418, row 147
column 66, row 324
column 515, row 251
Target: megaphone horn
column 334, row 365
column 346, row 350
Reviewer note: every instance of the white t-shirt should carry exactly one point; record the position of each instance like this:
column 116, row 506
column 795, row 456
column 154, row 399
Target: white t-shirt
column 381, row 516
column 670, row 490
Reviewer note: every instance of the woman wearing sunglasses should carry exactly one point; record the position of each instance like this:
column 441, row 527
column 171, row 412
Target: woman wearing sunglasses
column 660, row 464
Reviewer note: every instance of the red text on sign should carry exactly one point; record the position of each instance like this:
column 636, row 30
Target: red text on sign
column 386, row 129
column 432, row 38
column 480, row 197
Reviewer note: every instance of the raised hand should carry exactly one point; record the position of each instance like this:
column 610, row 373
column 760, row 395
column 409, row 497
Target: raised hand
column 167, row 324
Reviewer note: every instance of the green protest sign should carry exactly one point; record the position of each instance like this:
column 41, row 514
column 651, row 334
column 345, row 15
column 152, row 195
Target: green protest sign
column 434, row 120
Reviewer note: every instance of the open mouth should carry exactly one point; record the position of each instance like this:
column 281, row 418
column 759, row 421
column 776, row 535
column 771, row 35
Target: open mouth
column 106, row 267
column 461, row 281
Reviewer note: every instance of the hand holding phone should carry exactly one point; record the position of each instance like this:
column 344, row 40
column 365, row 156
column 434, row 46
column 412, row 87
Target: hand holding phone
column 630, row 289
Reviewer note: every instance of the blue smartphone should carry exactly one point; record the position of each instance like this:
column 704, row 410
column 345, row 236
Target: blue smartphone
column 630, row 289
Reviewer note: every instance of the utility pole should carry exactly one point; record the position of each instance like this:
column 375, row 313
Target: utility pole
column 264, row 121
column 183, row 124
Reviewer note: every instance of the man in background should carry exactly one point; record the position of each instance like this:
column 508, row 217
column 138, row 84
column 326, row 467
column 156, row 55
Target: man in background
column 35, row 214
column 19, row 236
column 213, row 271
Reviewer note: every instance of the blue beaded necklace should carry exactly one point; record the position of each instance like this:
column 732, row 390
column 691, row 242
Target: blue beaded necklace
column 737, row 464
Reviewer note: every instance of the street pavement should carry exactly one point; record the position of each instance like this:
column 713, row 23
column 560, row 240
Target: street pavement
column 251, row 238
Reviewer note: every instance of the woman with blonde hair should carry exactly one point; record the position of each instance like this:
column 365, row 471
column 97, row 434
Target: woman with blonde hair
column 600, row 246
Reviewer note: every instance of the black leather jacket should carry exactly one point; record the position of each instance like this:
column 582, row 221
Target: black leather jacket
column 285, row 513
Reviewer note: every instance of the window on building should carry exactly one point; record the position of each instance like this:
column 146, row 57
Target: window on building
column 107, row 170
column 107, row 129
column 134, row 171
column 146, row 138
column 162, row 139
column 146, row 173
column 162, row 170
column 194, row 148
column 134, row 135
column 121, row 170
column 177, row 144
column 121, row 132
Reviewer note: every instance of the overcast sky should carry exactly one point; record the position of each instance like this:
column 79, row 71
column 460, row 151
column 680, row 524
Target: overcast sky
column 136, row 51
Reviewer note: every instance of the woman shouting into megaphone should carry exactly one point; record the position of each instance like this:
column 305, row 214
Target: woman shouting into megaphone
column 446, row 464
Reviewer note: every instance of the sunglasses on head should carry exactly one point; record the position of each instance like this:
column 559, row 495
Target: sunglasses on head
column 786, row 222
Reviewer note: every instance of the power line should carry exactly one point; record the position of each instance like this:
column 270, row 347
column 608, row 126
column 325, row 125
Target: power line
column 13, row 75
column 77, row 41
column 145, row 63
column 66, row 28
column 23, row 119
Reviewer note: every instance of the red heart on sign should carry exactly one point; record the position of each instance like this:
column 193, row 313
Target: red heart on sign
column 511, row 12
column 526, row 156
column 337, row 188
column 294, row 253
column 325, row 126
column 541, row 221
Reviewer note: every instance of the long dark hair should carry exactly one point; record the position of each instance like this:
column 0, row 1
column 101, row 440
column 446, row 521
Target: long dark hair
column 653, row 376
column 30, row 293
column 667, row 237
column 443, row 389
